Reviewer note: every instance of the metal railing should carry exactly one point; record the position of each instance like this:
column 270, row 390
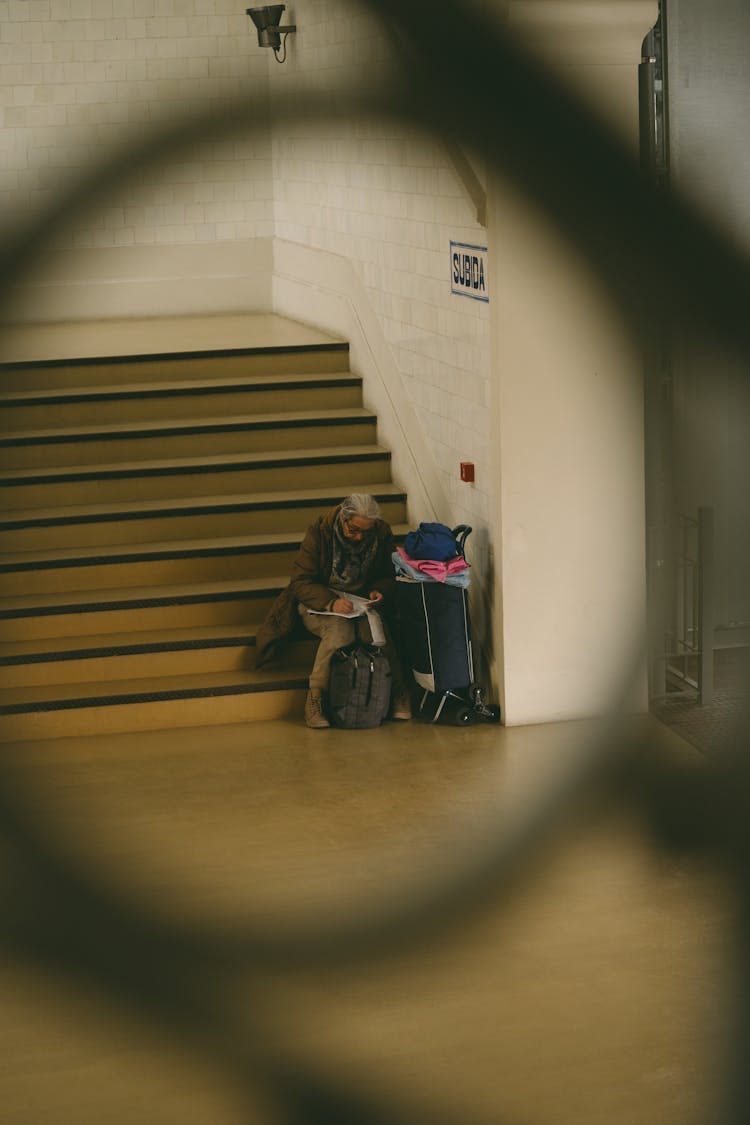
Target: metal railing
column 689, row 638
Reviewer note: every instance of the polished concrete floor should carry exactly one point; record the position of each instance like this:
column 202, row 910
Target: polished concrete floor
column 593, row 993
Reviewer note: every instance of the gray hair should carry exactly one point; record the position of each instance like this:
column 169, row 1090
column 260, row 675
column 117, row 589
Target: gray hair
column 360, row 504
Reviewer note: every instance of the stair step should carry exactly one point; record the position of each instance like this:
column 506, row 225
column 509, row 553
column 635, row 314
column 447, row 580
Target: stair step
column 193, row 476
column 42, row 374
column 60, row 697
column 14, row 653
column 159, row 702
column 225, row 559
column 178, row 518
column 165, row 562
column 137, row 402
column 79, row 445
column 155, row 564
column 136, row 609
column 70, row 647
column 132, row 656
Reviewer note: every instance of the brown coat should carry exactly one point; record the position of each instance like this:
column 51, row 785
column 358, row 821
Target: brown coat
column 309, row 581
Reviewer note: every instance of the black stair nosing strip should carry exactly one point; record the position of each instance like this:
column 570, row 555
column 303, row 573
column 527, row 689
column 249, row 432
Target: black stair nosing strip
column 166, row 696
column 59, row 656
column 90, row 473
column 158, row 601
column 102, row 394
column 151, row 357
column 192, row 510
column 191, row 429
column 163, row 554
column 145, row 648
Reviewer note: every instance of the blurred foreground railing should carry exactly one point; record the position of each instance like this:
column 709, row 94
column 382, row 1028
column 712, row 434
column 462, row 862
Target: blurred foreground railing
column 532, row 130
column 688, row 655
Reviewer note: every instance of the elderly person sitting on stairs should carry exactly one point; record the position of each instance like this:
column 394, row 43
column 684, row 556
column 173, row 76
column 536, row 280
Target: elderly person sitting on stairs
column 346, row 551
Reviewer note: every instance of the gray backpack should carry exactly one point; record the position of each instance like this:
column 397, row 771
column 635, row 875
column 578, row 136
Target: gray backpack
column 359, row 688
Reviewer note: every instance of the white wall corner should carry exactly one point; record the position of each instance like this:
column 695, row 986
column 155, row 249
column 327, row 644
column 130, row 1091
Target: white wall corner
column 568, row 417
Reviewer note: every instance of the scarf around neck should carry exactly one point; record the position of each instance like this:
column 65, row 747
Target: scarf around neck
column 352, row 559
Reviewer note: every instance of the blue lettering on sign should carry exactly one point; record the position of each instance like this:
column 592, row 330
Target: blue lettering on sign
column 469, row 271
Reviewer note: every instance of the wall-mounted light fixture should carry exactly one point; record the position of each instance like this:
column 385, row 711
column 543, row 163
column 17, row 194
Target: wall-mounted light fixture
column 267, row 22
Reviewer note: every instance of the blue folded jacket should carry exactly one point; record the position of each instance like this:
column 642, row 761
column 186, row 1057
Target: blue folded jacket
column 431, row 541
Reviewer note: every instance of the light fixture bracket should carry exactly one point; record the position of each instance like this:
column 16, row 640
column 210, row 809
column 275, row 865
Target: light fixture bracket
column 267, row 22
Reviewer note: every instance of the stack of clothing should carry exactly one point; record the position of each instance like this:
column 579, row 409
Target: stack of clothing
column 453, row 572
column 433, row 554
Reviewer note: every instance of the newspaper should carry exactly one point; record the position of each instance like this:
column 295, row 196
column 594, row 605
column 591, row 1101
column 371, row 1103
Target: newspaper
column 362, row 607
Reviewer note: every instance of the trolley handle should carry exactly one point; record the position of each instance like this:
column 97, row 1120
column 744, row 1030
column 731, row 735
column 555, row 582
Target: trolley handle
column 461, row 534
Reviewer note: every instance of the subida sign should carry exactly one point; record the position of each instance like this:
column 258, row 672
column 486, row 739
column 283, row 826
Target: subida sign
column 469, row 271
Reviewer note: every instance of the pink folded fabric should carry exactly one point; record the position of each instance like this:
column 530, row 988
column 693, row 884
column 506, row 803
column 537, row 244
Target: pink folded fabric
column 435, row 569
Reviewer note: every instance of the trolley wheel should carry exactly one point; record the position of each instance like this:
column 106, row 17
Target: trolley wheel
column 463, row 717
column 475, row 693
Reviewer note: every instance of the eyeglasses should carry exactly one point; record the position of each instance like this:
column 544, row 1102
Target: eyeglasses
column 354, row 532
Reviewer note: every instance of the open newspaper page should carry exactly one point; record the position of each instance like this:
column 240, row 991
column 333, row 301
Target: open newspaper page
column 361, row 607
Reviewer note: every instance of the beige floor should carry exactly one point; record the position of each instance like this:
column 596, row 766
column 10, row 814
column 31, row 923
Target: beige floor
column 594, row 997
column 86, row 339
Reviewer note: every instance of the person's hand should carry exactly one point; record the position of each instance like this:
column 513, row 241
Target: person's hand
column 342, row 605
column 376, row 596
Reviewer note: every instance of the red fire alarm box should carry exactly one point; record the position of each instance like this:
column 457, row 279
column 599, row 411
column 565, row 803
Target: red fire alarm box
column 467, row 471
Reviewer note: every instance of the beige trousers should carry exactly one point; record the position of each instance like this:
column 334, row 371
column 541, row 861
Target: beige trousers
column 335, row 632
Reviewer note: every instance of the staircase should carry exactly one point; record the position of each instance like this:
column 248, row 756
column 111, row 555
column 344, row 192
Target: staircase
column 150, row 508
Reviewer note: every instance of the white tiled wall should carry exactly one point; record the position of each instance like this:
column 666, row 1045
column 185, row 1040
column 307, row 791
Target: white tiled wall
column 388, row 199
column 80, row 77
